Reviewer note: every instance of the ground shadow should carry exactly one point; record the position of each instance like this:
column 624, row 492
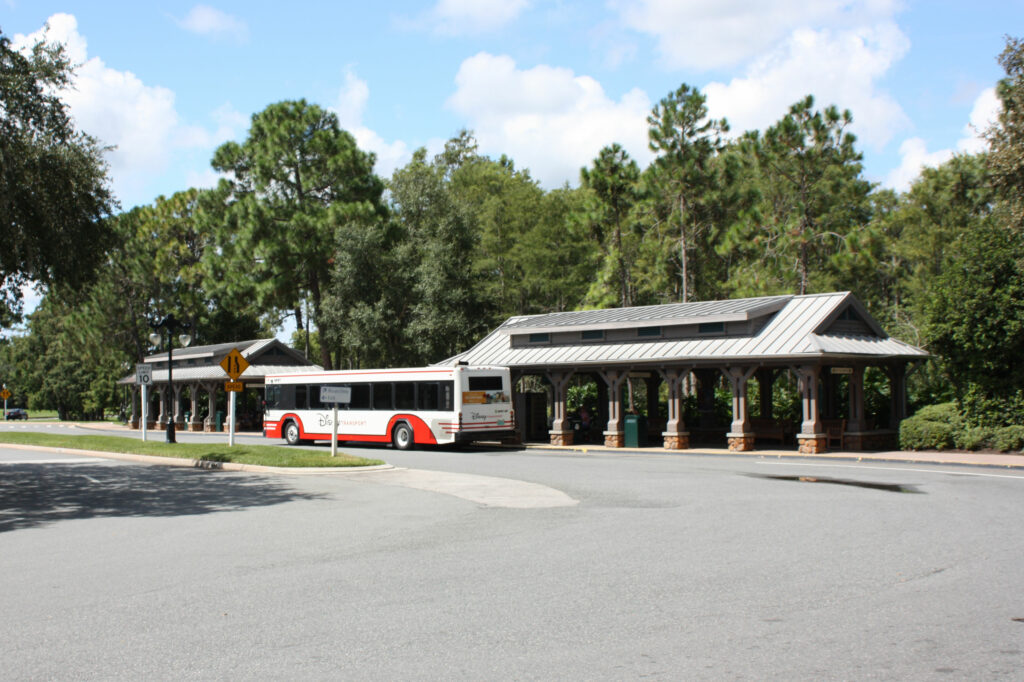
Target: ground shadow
column 38, row 494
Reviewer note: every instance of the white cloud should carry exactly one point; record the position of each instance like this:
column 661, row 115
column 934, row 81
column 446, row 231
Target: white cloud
column 140, row 121
column 115, row 107
column 914, row 154
column 209, row 21
column 350, row 107
column 460, row 17
column 837, row 67
column 547, row 119
column 707, row 34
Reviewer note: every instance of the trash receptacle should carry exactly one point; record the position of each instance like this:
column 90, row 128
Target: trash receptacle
column 636, row 431
column 220, row 420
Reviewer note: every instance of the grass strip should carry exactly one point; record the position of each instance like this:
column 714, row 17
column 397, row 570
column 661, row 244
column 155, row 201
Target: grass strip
column 263, row 455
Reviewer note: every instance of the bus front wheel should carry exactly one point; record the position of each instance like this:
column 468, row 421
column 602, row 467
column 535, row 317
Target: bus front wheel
column 402, row 437
column 291, row 433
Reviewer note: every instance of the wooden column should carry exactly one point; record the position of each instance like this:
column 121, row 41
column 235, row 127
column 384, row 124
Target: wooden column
column 179, row 421
column 854, row 438
column 210, row 423
column 741, row 435
column 897, row 394
column 195, row 423
column 615, row 434
column 811, row 438
column 675, row 435
column 561, row 431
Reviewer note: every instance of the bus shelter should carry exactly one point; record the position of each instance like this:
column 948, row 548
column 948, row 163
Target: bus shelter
column 684, row 352
column 198, row 375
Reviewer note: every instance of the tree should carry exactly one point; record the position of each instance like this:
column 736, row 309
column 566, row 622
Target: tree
column 445, row 309
column 1006, row 137
column 295, row 181
column 812, row 196
column 53, row 184
column 682, row 176
column 612, row 191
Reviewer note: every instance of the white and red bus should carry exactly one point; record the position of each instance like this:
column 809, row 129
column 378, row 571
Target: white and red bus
column 405, row 407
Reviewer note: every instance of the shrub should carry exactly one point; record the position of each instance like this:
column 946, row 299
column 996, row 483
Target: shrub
column 932, row 428
column 1008, row 438
column 973, row 438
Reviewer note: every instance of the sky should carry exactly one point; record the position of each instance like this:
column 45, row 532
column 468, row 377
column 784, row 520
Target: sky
column 546, row 82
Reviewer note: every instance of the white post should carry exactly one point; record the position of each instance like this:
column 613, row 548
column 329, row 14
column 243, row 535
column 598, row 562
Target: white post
column 145, row 416
column 334, row 431
column 231, row 421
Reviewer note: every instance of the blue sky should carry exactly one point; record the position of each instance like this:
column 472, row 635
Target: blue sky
column 548, row 82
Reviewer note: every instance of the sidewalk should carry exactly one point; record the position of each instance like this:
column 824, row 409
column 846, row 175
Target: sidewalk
column 978, row 459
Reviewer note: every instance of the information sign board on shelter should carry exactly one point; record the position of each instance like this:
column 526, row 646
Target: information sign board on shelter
column 5, row 394
column 234, row 364
column 233, row 386
column 143, row 374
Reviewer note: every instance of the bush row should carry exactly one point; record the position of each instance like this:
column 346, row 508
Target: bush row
column 940, row 427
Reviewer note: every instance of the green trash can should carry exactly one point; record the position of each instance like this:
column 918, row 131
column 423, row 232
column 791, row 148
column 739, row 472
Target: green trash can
column 636, row 431
column 220, row 420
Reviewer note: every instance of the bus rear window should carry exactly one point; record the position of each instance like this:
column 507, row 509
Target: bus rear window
column 485, row 383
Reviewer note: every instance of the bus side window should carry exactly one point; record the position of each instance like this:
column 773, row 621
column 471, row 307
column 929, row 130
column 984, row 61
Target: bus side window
column 427, row 392
column 300, row 397
column 382, row 397
column 360, row 397
column 272, row 397
column 405, row 395
column 314, row 397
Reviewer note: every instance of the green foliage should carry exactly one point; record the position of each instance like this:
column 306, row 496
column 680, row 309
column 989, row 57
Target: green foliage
column 54, row 195
column 296, row 180
column 1007, row 438
column 932, row 428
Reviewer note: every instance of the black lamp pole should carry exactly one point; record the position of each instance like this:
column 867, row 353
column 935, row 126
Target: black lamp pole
column 170, row 324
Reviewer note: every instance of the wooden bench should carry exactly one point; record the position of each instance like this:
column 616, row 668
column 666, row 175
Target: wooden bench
column 835, row 431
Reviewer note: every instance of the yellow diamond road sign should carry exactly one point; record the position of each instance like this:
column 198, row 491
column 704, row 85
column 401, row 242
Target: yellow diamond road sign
column 5, row 394
column 234, row 364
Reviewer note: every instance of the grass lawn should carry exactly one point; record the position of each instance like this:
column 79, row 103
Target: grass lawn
column 265, row 455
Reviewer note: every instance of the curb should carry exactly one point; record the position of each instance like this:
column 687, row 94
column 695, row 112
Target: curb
column 1008, row 461
column 200, row 463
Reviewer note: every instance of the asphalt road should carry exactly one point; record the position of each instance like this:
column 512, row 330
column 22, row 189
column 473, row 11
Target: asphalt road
column 664, row 566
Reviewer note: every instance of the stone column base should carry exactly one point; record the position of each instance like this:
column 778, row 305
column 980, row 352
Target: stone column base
column 812, row 444
column 180, row 426
column 615, row 439
column 211, row 428
column 561, row 437
column 150, row 425
column 676, row 441
column 134, row 423
column 740, row 442
column 195, row 426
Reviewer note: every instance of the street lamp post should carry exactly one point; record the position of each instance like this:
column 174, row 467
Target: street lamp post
column 170, row 324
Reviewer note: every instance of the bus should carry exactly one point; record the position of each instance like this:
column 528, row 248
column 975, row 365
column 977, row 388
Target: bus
column 405, row 407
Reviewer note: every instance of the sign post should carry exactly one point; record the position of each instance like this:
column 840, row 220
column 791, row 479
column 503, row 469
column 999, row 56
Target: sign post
column 233, row 364
column 335, row 395
column 144, row 377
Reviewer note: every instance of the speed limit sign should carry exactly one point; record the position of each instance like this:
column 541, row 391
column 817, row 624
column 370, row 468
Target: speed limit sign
column 144, row 374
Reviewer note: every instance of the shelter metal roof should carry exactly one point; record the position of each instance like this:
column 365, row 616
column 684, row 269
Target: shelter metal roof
column 796, row 329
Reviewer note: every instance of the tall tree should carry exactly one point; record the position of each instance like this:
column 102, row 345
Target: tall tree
column 445, row 307
column 813, row 195
column 1006, row 137
column 612, row 192
column 687, row 143
column 54, row 194
column 295, row 181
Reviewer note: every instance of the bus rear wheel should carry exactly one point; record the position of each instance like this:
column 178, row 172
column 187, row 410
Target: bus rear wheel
column 402, row 437
column 291, row 433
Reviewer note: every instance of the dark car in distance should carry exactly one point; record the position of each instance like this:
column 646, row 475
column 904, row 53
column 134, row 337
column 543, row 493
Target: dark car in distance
column 17, row 413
